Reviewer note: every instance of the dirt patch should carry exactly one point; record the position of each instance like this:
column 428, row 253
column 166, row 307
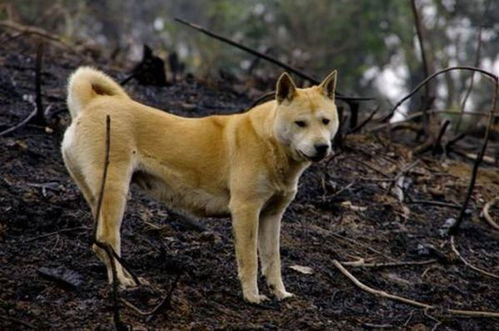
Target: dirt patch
column 344, row 210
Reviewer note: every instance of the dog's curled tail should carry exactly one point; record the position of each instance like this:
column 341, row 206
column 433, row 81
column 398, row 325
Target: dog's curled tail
column 87, row 83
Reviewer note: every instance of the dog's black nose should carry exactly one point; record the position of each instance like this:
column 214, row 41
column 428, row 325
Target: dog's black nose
column 321, row 149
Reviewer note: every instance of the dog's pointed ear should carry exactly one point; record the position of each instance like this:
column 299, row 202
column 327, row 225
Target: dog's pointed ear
column 328, row 85
column 285, row 88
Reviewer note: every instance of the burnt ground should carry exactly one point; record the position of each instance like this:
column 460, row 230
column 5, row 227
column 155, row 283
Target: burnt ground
column 344, row 210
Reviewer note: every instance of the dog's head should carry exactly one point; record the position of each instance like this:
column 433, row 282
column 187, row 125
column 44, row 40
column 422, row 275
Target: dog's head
column 306, row 119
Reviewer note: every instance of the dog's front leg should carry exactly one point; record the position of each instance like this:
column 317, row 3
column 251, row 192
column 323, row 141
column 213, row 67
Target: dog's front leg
column 269, row 247
column 245, row 224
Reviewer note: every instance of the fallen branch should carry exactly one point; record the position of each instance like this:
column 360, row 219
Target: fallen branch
column 486, row 213
column 454, row 249
column 387, row 295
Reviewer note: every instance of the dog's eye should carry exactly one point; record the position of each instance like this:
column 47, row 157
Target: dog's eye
column 301, row 124
column 325, row 121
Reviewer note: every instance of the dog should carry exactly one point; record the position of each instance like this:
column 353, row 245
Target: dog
column 245, row 165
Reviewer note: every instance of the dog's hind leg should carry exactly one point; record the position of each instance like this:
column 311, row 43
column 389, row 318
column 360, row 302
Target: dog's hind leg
column 268, row 245
column 110, row 219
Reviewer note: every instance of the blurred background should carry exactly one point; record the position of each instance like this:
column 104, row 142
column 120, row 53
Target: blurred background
column 373, row 44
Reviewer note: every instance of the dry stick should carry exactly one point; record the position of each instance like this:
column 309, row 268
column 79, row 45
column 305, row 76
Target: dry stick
column 265, row 57
column 443, row 128
column 486, row 213
column 40, row 118
column 454, row 249
column 105, row 246
column 20, row 124
column 477, row 62
column 474, row 172
column 384, row 294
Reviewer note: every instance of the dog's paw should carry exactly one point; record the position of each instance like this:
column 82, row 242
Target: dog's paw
column 256, row 298
column 281, row 295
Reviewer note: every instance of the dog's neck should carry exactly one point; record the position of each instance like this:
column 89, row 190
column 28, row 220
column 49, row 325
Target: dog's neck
column 287, row 169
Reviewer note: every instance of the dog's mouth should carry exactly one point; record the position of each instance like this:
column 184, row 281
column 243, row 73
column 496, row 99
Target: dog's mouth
column 315, row 158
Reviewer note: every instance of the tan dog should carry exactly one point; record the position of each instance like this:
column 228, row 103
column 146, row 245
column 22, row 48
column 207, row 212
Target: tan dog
column 245, row 165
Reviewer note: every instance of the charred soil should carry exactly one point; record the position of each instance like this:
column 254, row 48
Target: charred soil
column 346, row 209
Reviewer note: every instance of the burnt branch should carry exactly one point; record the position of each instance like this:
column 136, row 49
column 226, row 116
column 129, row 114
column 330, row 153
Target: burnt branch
column 267, row 58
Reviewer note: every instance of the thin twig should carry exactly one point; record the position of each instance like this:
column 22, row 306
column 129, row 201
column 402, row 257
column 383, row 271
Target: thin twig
column 435, row 203
column 265, row 57
column 106, row 247
column 454, row 249
column 55, row 232
column 486, row 213
column 387, row 295
column 363, row 264
column 20, row 124
column 427, row 79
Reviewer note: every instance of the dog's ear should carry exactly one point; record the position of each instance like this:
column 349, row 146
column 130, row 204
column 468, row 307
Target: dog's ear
column 328, row 85
column 285, row 89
